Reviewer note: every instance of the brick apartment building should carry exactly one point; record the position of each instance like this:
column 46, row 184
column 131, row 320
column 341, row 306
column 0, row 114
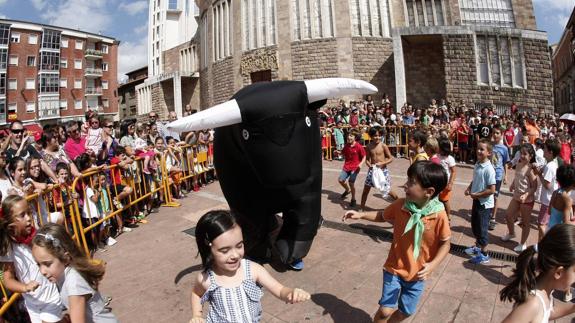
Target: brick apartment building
column 50, row 74
column 481, row 53
column 128, row 99
column 564, row 69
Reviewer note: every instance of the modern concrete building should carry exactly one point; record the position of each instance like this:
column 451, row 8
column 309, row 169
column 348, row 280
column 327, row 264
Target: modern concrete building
column 128, row 100
column 473, row 51
column 171, row 57
column 564, row 69
column 50, row 74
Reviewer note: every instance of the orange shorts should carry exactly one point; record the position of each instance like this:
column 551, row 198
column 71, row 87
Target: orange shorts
column 445, row 195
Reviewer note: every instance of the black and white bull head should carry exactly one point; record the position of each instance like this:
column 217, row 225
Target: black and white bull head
column 268, row 158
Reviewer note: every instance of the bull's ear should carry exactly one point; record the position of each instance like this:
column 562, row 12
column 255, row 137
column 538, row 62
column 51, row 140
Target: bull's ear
column 316, row 105
column 330, row 88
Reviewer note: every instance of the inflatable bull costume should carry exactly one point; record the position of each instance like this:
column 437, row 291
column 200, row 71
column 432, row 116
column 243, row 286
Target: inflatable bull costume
column 268, row 158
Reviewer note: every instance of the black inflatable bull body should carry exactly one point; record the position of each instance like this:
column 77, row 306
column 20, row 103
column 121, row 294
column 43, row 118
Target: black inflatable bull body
column 267, row 154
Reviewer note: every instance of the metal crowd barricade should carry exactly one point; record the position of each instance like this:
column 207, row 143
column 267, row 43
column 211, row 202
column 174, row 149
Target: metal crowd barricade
column 395, row 137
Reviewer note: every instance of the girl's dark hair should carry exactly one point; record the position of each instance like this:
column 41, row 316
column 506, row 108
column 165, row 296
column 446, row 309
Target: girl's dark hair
column 61, row 166
column 556, row 249
column 419, row 137
column 530, row 151
column 14, row 163
column 47, row 136
column 428, row 174
column 59, row 244
column 539, row 143
column 82, row 162
column 566, row 176
column 210, row 226
column 554, row 146
column 6, row 220
column 42, row 178
column 444, row 146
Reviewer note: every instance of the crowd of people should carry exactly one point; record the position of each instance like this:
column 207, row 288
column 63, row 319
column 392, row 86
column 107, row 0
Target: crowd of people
column 104, row 167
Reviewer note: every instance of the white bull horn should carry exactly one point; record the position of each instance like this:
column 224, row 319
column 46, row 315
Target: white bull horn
column 329, row 88
column 220, row 115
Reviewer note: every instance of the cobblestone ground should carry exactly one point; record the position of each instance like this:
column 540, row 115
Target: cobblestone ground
column 150, row 270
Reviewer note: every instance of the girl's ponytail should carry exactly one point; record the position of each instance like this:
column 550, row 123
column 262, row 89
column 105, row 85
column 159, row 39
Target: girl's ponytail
column 5, row 240
column 524, row 277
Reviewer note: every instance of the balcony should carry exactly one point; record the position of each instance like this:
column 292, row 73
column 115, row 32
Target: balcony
column 44, row 114
column 93, row 91
column 93, row 72
column 93, row 54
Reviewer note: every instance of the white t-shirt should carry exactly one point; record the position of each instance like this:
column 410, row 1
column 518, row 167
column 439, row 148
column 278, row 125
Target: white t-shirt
column 26, row 271
column 447, row 162
column 94, row 140
column 550, row 175
column 5, row 184
column 90, row 205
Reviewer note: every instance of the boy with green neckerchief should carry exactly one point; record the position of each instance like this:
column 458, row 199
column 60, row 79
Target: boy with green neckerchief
column 420, row 240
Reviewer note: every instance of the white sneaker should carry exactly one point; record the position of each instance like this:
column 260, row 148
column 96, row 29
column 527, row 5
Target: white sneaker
column 520, row 248
column 507, row 237
column 111, row 241
column 126, row 229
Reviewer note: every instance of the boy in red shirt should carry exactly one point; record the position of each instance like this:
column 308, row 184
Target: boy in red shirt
column 119, row 191
column 354, row 155
column 565, row 153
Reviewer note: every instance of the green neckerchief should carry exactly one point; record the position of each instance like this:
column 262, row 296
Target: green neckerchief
column 431, row 207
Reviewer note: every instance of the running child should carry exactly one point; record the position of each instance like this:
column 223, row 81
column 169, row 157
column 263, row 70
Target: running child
column 481, row 190
column 227, row 276
column 548, row 179
column 415, row 143
column 523, row 188
column 542, row 269
column 448, row 163
column 354, row 155
column 378, row 156
column 77, row 276
column 21, row 273
column 421, row 240
column 500, row 160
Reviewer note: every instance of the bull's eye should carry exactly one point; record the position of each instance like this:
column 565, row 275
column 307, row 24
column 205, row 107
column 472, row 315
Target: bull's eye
column 307, row 121
column 245, row 134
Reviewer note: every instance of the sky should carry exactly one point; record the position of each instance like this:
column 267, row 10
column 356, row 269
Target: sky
column 127, row 20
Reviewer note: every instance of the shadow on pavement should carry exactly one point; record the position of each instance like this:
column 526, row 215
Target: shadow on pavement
column 186, row 271
column 490, row 272
column 339, row 310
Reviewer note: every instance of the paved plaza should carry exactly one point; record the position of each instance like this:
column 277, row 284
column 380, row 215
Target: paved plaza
column 150, row 270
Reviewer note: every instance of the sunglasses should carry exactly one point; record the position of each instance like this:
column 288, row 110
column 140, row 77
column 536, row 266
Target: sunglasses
column 94, row 122
column 17, row 131
column 73, row 130
column 153, row 116
column 107, row 126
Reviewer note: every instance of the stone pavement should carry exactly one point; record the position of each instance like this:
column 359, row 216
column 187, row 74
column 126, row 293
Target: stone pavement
column 150, row 270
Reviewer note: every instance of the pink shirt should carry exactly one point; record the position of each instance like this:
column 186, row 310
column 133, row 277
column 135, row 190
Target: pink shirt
column 75, row 148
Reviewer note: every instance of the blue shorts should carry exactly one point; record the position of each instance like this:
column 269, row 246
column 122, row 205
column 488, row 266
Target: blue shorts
column 400, row 294
column 344, row 175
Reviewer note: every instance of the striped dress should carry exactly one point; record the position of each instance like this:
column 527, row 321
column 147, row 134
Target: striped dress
column 237, row 304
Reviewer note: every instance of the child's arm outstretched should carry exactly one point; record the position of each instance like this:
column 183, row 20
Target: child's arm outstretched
column 286, row 294
column 197, row 293
column 373, row 216
column 13, row 284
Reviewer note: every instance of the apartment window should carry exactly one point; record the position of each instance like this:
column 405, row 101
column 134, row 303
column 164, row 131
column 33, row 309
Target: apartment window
column 312, row 19
column 370, row 18
column 49, row 83
column 13, row 60
column 104, row 49
column 258, row 23
column 51, row 39
column 500, row 61
column 12, row 84
column 63, row 82
column 64, row 63
column 63, row 104
column 221, row 27
column 12, row 108
column 104, row 85
column 77, row 84
column 425, row 12
column 49, row 61
column 2, row 83
column 32, row 39
column 487, row 13
column 30, row 84
column 79, row 44
column 204, row 40
column 104, row 66
column 15, row 38
column 77, row 104
column 30, row 106
column 106, row 103
column 4, row 34
column 78, row 64
column 3, row 58
column 31, row 61
column 172, row 4
column 64, row 42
